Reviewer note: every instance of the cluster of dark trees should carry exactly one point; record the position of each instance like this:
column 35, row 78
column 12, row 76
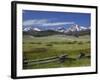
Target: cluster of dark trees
column 51, row 32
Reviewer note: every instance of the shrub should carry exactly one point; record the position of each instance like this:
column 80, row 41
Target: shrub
column 49, row 44
column 39, row 50
column 35, row 42
column 80, row 42
column 88, row 42
column 36, row 50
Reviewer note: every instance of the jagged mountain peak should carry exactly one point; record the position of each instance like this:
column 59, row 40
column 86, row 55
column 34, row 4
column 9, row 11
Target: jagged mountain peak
column 76, row 27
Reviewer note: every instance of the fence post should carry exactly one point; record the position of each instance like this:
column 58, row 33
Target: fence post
column 62, row 58
column 81, row 55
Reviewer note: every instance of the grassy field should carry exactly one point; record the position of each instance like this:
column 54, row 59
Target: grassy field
column 35, row 48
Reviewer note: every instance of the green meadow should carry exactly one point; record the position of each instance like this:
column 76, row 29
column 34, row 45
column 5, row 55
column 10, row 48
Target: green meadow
column 35, row 48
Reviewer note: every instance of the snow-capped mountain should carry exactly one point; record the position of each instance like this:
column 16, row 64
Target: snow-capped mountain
column 31, row 29
column 27, row 29
column 83, row 28
column 60, row 29
column 36, row 29
column 76, row 28
column 73, row 28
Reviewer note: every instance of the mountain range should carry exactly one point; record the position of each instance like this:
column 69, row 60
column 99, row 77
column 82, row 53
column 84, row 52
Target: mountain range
column 74, row 30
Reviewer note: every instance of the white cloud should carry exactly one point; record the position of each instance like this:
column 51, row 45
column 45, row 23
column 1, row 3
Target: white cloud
column 57, row 23
column 44, row 22
column 34, row 22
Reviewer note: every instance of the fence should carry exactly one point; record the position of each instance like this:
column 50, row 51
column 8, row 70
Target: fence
column 61, row 59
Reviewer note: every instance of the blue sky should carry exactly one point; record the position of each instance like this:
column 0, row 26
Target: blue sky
column 49, row 19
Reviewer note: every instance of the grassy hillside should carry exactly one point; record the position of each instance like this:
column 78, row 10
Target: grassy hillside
column 35, row 48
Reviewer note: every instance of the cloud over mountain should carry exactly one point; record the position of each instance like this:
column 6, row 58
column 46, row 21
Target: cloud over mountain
column 44, row 22
column 34, row 22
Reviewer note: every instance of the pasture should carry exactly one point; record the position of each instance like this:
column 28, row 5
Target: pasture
column 35, row 48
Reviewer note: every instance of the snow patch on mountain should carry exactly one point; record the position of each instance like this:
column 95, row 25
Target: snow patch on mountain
column 30, row 28
column 36, row 29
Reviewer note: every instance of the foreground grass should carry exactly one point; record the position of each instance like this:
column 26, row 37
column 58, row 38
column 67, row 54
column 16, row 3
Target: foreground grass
column 42, row 47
